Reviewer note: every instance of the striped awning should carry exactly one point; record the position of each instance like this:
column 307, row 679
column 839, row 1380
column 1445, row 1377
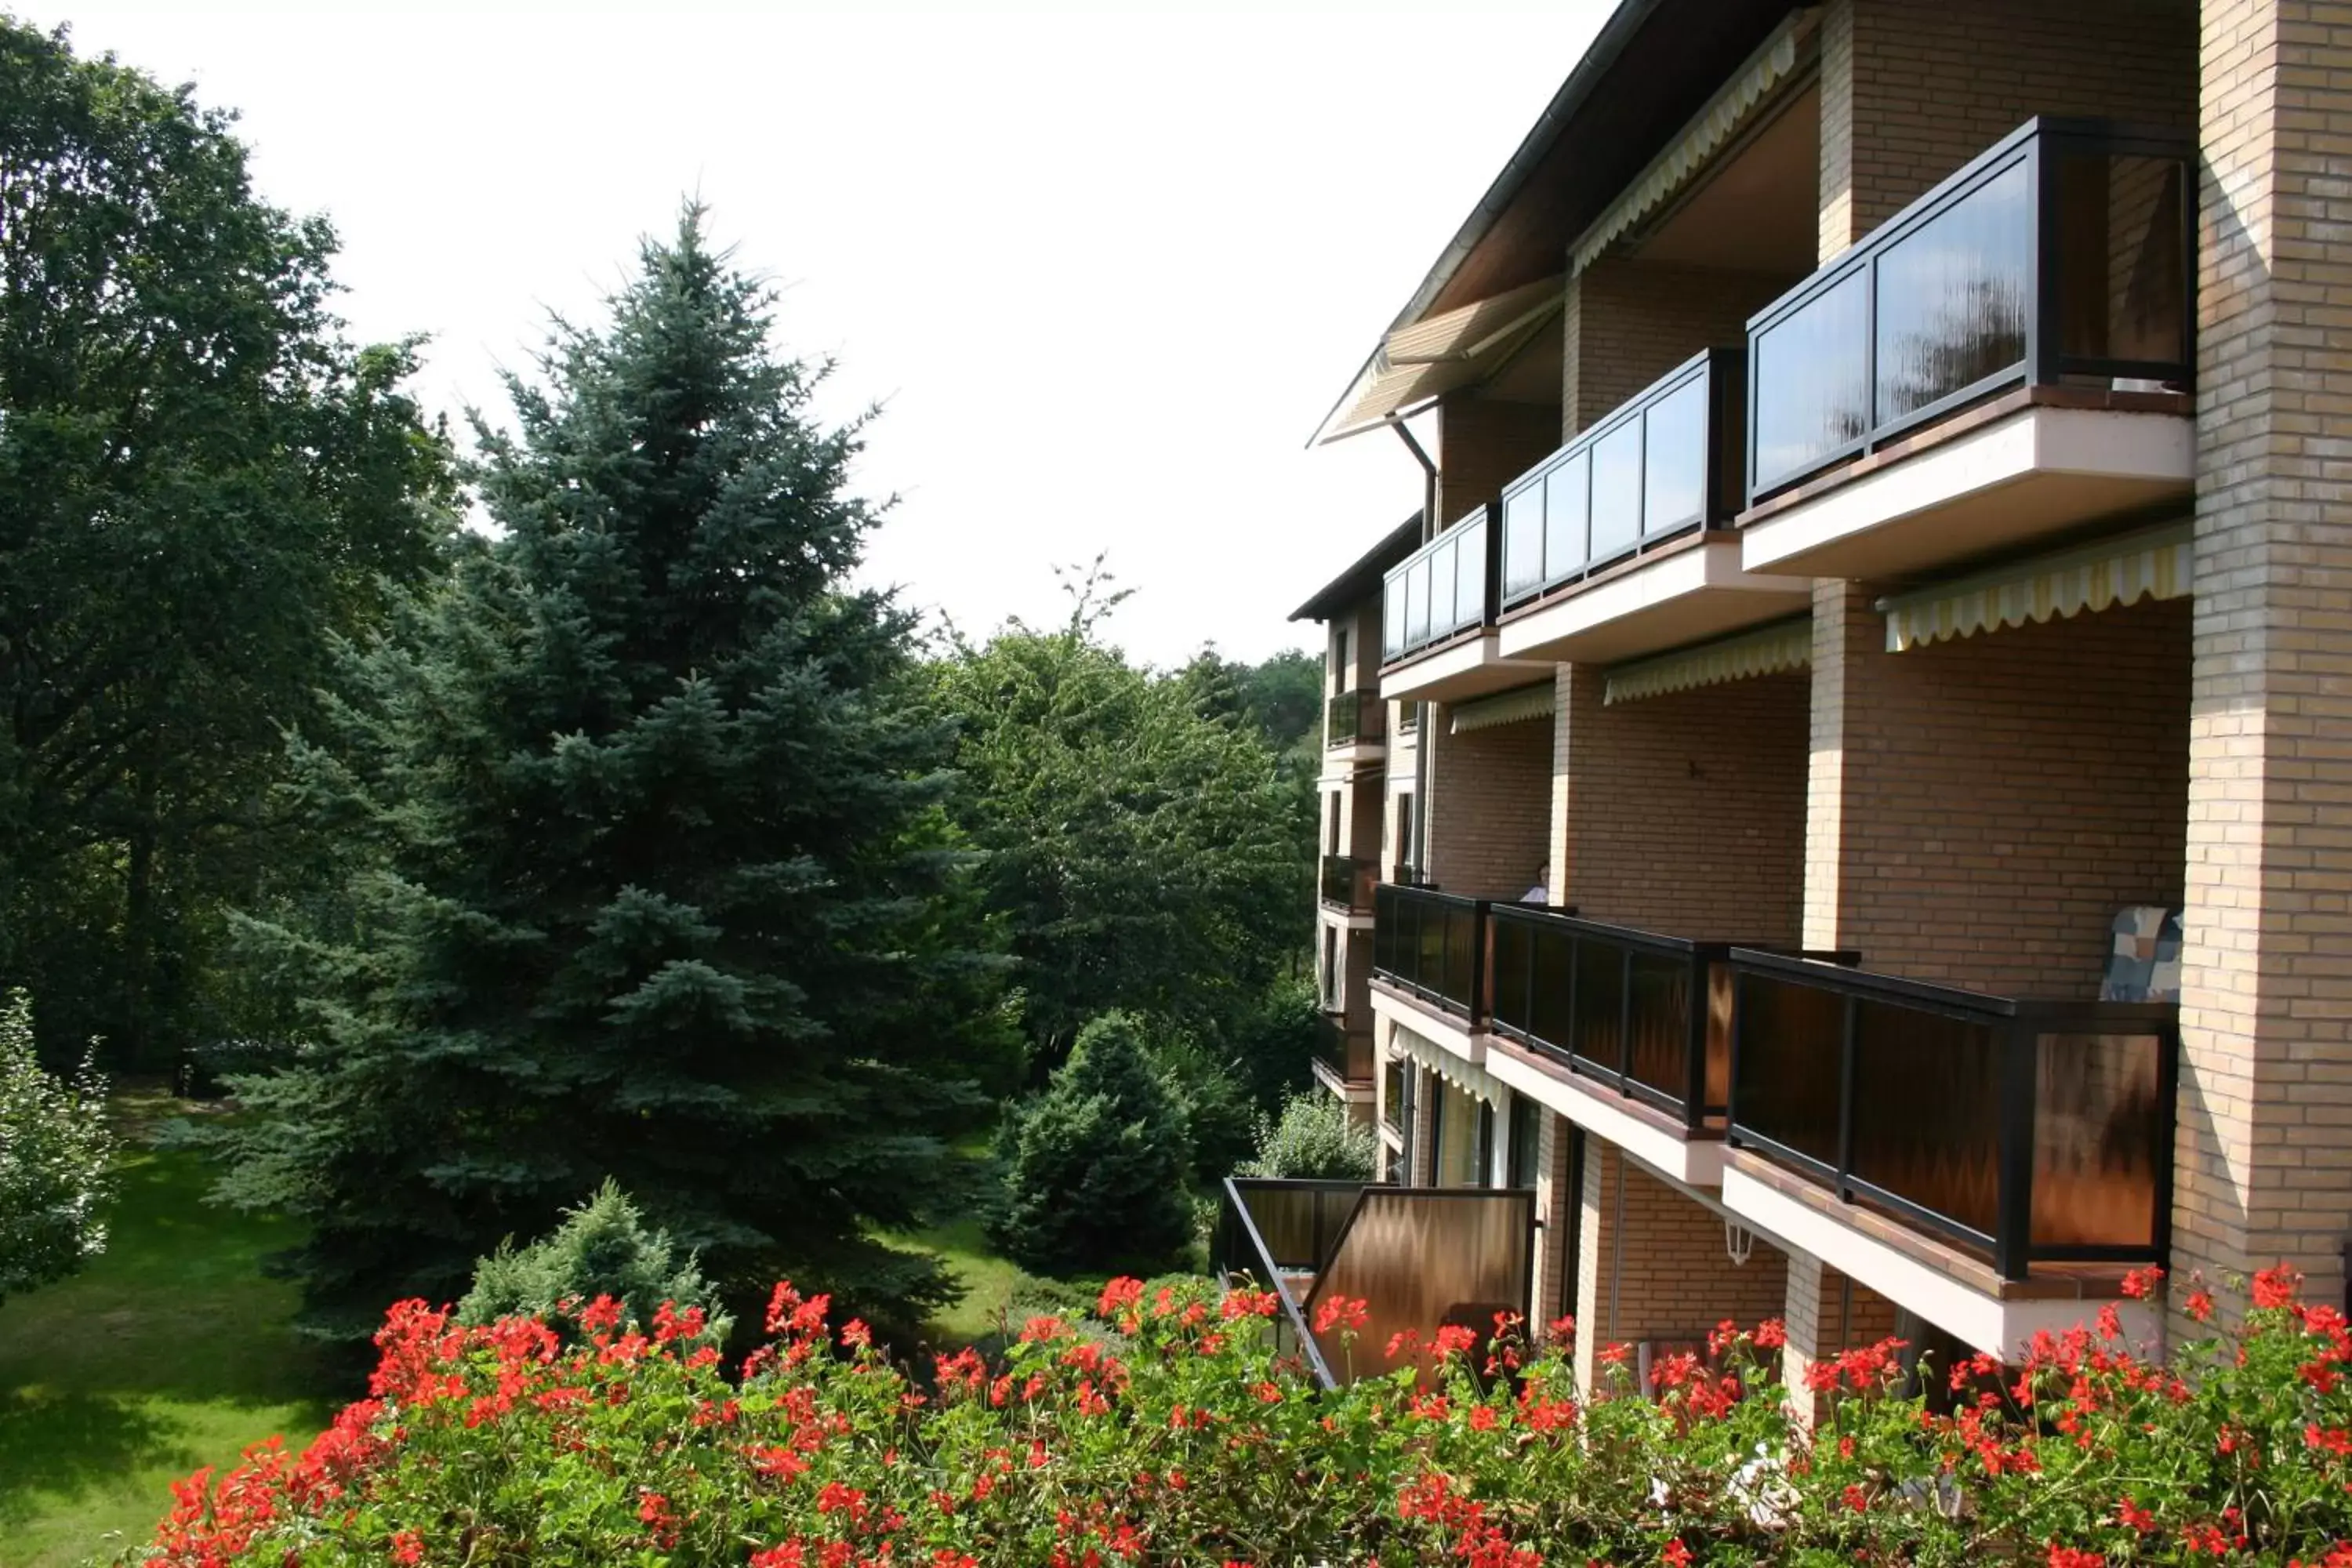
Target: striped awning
column 1783, row 645
column 2147, row 564
column 1417, row 364
column 1473, row 1081
column 1787, row 52
column 1513, row 706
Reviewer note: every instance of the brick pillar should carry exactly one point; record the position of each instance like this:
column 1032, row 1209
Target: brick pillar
column 1826, row 1313
column 1558, row 1213
column 2265, row 1159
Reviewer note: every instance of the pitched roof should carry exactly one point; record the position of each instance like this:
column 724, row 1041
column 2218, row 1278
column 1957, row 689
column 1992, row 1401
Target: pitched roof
column 1363, row 580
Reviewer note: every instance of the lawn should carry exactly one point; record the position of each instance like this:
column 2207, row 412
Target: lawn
column 170, row 1351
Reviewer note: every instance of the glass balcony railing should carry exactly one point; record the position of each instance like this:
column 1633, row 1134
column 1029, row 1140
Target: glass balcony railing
column 2022, row 1131
column 2063, row 255
column 1665, row 463
column 1649, row 1015
column 1420, row 1258
column 1445, row 587
column 1347, row 882
column 1431, row 944
column 1352, row 718
column 1347, row 1052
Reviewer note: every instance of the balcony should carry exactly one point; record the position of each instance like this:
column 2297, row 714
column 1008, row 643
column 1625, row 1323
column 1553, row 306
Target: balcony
column 1343, row 1059
column 1431, row 946
column 1437, row 614
column 1420, row 1258
column 1924, row 1138
column 1619, row 544
column 1355, row 721
column 1346, row 883
column 2007, row 359
column 1640, row 1022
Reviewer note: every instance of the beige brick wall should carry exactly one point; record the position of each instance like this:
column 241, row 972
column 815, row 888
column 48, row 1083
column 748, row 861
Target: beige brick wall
column 1911, row 90
column 1489, row 807
column 1980, row 808
column 1629, row 322
column 1825, row 1313
column 2264, row 1167
column 1484, row 444
column 1654, row 1265
column 1685, row 813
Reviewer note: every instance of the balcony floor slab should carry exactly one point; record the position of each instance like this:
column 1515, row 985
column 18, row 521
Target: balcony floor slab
column 1683, row 593
column 1956, row 1292
column 1604, row 1113
column 2016, row 472
column 1445, row 1030
column 1355, row 1091
column 1457, row 671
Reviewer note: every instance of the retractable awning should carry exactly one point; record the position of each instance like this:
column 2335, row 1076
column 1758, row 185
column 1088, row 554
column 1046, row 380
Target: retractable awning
column 1783, row 645
column 2147, row 563
column 1473, row 1081
column 1504, row 708
column 1419, row 364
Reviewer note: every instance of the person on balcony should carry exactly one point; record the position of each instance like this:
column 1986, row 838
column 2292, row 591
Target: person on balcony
column 1541, row 893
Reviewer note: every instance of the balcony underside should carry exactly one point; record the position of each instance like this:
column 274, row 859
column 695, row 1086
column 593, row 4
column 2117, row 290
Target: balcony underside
column 1949, row 1288
column 1472, row 666
column 2021, row 470
column 1349, row 758
column 1649, row 1137
column 1685, row 593
column 1448, row 1031
column 1355, row 1091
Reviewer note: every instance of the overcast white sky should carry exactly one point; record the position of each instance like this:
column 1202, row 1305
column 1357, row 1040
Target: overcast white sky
column 1106, row 272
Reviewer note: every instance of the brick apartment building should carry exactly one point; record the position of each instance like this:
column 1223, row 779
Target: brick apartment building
column 1886, row 573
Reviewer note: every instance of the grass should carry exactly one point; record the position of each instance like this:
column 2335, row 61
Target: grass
column 170, row 1351
column 993, row 1283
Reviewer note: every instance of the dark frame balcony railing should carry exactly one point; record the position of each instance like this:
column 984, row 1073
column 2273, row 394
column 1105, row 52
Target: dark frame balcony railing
column 1647, row 1014
column 1347, row 1052
column 1443, row 589
column 1665, row 463
column 2065, row 252
column 1354, row 718
column 2025, row 1131
column 1418, row 1257
column 1432, row 945
column 1347, row 881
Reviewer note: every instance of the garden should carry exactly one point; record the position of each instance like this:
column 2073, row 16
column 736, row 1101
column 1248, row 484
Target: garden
column 1168, row 1426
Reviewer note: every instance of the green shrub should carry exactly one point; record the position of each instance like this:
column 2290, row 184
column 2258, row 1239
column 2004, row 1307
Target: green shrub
column 1315, row 1138
column 604, row 1247
column 1096, row 1167
column 57, row 1157
column 1212, row 1101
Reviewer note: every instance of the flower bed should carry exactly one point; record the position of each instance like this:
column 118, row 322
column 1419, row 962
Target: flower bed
column 1169, row 1430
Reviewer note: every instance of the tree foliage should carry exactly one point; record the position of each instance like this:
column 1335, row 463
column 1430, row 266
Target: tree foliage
column 1314, row 1139
column 1143, row 851
column 649, row 876
column 201, row 484
column 603, row 1248
column 56, row 1158
column 1095, row 1168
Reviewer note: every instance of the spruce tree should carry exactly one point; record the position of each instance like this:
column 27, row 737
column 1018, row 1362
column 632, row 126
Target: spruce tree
column 648, row 875
column 1095, row 1167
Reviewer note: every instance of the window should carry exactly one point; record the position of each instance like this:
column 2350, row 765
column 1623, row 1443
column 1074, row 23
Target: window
column 1331, row 815
column 1330, row 969
column 1408, row 851
column 1346, row 661
column 1526, row 1142
column 1483, row 1159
